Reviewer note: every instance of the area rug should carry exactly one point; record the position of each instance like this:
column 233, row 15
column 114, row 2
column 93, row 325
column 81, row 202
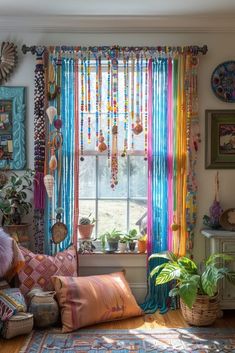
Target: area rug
column 193, row 340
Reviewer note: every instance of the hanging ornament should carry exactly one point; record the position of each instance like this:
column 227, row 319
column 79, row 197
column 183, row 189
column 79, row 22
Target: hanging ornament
column 53, row 160
column 126, row 105
column 138, row 128
column 53, row 89
column 146, row 111
column 215, row 209
column 114, row 158
column 132, row 100
column 51, row 113
column 89, row 99
column 49, row 183
column 58, row 124
column 102, row 145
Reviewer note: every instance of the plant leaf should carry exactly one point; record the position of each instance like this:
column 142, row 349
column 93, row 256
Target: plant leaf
column 168, row 256
column 157, row 269
column 214, row 257
column 169, row 272
column 174, row 292
column 188, row 293
column 188, row 264
column 209, row 280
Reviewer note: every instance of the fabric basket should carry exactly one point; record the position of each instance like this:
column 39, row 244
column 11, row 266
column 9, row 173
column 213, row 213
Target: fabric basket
column 18, row 324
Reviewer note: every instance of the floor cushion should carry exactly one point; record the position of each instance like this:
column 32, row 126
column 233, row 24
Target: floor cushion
column 89, row 300
column 39, row 269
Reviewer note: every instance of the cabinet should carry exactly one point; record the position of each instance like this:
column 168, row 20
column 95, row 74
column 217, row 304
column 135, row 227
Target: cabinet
column 133, row 263
column 222, row 241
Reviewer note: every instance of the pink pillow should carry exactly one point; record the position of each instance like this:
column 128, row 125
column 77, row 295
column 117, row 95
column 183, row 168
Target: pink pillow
column 39, row 269
column 89, row 300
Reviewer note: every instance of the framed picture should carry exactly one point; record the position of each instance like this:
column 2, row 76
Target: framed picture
column 220, row 139
column 12, row 128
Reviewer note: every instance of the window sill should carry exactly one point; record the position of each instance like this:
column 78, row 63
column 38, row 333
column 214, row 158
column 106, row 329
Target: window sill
column 114, row 253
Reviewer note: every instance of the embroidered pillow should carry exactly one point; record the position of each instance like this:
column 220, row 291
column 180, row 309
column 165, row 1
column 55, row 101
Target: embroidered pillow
column 89, row 300
column 39, row 269
column 11, row 302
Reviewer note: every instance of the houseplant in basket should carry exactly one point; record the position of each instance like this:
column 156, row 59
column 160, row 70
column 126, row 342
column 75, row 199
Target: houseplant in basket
column 196, row 287
column 112, row 238
column 85, row 226
column 14, row 203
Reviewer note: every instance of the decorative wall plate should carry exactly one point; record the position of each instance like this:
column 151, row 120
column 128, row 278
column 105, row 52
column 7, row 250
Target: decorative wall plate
column 223, row 81
column 8, row 59
column 227, row 219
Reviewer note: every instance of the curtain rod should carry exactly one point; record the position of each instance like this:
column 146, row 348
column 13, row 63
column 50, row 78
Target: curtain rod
column 195, row 49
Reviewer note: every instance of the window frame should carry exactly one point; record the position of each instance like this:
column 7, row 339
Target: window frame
column 128, row 199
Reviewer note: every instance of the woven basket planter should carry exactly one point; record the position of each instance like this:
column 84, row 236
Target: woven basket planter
column 204, row 311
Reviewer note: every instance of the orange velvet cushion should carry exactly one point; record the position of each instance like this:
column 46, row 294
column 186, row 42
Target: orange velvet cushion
column 89, row 300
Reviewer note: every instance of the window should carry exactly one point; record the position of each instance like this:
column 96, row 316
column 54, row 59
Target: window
column 124, row 205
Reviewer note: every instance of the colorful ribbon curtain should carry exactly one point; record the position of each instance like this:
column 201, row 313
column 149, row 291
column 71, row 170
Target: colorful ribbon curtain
column 173, row 138
column 64, row 133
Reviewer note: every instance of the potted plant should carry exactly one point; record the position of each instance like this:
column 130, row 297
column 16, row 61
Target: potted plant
column 142, row 243
column 112, row 238
column 123, row 244
column 14, row 203
column 131, row 237
column 85, row 226
column 196, row 287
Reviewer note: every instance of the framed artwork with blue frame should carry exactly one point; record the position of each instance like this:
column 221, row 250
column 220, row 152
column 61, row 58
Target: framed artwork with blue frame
column 12, row 128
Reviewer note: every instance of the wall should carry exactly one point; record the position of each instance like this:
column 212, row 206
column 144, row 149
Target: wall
column 220, row 47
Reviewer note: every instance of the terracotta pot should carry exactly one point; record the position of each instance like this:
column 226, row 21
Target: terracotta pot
column 85, row 230
column 142, row 246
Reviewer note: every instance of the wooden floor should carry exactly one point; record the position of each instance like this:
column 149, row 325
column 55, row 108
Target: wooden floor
column 170, row 319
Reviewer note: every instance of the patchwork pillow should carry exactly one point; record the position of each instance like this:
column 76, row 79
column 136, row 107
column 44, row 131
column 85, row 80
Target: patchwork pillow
column 89, row 300
column 39, row 269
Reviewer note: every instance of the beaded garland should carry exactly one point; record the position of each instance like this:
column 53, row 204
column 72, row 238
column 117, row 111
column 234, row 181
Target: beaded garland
column 39, row 151
column 82, row 111
column 89, row 99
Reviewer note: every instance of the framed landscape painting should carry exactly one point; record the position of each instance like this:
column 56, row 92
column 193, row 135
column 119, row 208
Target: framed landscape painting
column 220, row 139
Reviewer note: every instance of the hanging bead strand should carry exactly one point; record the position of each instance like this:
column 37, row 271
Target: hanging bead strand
column 114, row 157
column 102, row 145
column 146, row 111
column 126, row 105
column 138, row 127
column 97, row 101
column 89, row 98
column 82, row 111
column 132, row 100
column 108, row 108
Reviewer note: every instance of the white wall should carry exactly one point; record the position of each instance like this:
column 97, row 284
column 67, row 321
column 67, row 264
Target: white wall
column 221, row 48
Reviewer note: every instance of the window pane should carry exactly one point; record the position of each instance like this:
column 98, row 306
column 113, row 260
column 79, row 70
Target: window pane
column 86, row 207
column 138, row 209
column 87, row 181
column 105, row 189
column 138, row 176
column 112, row 214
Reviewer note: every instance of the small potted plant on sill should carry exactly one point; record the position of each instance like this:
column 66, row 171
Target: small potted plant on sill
column 123, row 244
column 142, row 243
column 131, row 238
column 112, row 238
column 197, row 289
column 14, row 204
column 85, row 227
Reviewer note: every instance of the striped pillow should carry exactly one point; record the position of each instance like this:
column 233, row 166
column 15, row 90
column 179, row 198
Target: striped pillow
column 89, row 300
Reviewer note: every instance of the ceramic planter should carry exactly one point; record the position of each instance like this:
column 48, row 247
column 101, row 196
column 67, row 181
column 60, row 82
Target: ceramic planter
column 112, row 245
column 122, row 247
column 132, row 246
column 85, row 230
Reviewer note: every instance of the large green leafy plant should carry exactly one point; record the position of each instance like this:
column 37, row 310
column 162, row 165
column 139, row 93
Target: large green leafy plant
column 13, row 197
column 192, row 280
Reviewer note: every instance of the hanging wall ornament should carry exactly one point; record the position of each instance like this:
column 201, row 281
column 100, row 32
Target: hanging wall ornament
column 102, row 145
column 126, row 105
column 49, row 183
column 138, row 128
column 53, row 160
column 51, row 113
column 8, row 60
column 53, row 88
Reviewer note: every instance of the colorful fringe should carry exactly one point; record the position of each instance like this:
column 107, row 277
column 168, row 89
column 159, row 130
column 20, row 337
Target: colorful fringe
column 173, row 138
